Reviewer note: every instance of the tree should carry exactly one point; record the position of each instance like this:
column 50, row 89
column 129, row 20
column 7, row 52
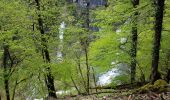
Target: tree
column 85, row 41
column 134, row 41
column 83, row 22
column 95, row 39
column 11, row 34
column 6, row 57
column 45, row 54
column 159, row 12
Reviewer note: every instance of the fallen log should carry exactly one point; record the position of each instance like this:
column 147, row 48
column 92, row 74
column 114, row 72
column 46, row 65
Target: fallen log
column 123, row 86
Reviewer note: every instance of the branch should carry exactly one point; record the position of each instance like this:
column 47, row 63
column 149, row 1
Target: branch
column 24, row 79
column 12, row 70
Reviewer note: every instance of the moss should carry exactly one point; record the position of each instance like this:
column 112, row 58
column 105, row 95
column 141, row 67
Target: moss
column 158, row 86
column 145, row 88
column 160, row 83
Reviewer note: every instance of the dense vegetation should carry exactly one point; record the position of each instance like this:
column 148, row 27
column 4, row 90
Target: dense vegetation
column 52, row 45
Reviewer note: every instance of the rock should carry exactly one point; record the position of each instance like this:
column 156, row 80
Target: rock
column 158, row 86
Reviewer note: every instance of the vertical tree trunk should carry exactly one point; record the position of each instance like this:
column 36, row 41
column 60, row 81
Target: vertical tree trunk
column 159, row 7
column 46, row 56
column 85, row 40
column 6, row 82
column 81, row 73
column 167, row 78
column 94, row 79
column 87, row 23
column 13, row 93
column 75, row 85
column 6, row 76
column 88, row 71
column 134, row 41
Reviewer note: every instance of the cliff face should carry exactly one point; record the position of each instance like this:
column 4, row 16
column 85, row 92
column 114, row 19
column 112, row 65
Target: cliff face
column 97, row 2
column 93, row 3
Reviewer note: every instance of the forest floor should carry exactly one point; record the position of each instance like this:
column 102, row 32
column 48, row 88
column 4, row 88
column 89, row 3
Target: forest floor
column 146, row 96
column 122, row 96
column 127, row 92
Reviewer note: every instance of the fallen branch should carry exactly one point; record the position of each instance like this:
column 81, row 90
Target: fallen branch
column 123, row 86
column 114, row 91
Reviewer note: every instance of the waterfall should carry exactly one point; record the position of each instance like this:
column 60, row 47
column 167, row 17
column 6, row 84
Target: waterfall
column 108, row 77
column 61, row 37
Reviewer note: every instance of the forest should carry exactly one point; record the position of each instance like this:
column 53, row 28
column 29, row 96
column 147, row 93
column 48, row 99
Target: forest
column 84, row 50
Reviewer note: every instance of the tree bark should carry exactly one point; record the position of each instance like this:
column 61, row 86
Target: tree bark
column 46, row 56
column 94, row 78
column 167, row 78
column 85, row 40
column 79, row 71
column 87, row 24
column 6, row 75
column 134, row 41
column 88, row 71
column 13, row 94
column 159, row 7
column 75, row 85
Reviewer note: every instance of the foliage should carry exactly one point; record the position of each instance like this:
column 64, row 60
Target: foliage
column 108, row 44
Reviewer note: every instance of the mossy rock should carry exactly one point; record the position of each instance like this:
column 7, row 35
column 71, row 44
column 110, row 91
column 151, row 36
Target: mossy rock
column 160, row 83
column 158, row 86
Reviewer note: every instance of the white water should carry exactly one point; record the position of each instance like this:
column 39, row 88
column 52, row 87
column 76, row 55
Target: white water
column 60, row 92
column 107, row 77
column 61, row 37
column 39, row 99
column 118, row 31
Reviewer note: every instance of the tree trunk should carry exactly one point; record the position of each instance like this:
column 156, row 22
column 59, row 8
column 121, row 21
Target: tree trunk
column 94, row 79
column 46, row 56
column 159, row 6
column 85, row 40
column 87, row 26
column 75, row 85
column 168, row 76
column 80, row 71
column 13, row 93
column 6, row 82
column 6, row 76
column 88, row 71
column 134, row 41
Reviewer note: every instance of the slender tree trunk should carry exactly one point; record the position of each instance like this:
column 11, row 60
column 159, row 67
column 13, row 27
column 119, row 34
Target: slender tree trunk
column 13, row 94
column 85, row 40
column 6, row 82
column 94, row 78
column 75, row 85
column 88, row 71
column 159, row 6
column 81, row 73
column 46, row 56
column 87, row 26
column 6, row 76
column 134, row 41
column 142, row 77
column 167, row 78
